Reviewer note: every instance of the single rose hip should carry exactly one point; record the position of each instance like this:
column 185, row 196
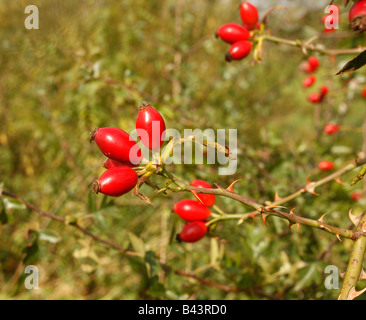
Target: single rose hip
column 150, row 127
column 110, row 163
column 314, row 97
column 248, row 14
column 331, row 128
column 313, row 63
column 191, row 210
column 116, row 144
column 115, row 181
column 357, row 16
column 232, row 32
column 363, row 92
column 326, row 165
column 207, row 199
column 238, row 50
column 192, row 232
column 356, row 195
column 308, row 82
column 323, row 91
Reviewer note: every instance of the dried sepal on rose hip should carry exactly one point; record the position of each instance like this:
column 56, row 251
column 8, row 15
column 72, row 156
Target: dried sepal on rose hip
column 192, row 232
column 150, row 127
column 115, row 181
column 207, row 199
column 191, row 210
column 232, row 32
column 116, row 144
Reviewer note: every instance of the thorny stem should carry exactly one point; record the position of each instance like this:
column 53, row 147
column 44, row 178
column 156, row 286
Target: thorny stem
column 261, row 209
column 312, row 47
column 355, row 264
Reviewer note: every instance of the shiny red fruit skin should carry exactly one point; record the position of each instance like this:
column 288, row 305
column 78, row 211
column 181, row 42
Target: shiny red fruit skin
column 248, row 14
column 314, row 97
column 309, row 81
column 326, row 165
column 356, row 195
column 238, row 50
column 232, row 32
column 193, row 231
column 115, row 181
column 207, row 199
column 313, row 63
column 191, row 210
column 110, row 163
column 358, row 8
column 323, row 91
column 363, row 92
column 150, row 127
column 116, row 144
column 331, row 128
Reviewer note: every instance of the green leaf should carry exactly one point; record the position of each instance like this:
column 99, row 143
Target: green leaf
column 48, row 235
column 31, row 249
column 354, row 64
column 137, row 244
column 3, row 215
column 14, row 204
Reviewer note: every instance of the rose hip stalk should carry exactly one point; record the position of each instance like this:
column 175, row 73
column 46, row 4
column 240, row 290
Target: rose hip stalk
column 150, row 127
column 116, row 144
column 115, row 181
column 192, row 232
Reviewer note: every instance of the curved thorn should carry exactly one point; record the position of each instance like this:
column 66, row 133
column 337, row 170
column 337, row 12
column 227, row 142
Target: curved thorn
column 230, row 188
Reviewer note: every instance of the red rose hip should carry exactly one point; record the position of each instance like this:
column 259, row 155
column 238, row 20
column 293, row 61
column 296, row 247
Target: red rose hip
column 110, row 163
column 356, row 195
column 232, row 32
column 238, row 50
column 191, row 210
column 248, row 14
column 357, row 16
column 331, row 128
column 150, row 127
column 192, row 232
column 326, row 165
column 207, row 199
column 116, row 144
column 308, row 82
column 115, row 181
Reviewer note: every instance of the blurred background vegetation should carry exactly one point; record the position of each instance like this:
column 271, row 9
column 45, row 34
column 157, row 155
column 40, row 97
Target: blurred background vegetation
column 91, row 64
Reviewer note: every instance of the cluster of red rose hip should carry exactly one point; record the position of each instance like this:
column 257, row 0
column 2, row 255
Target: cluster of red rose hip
column 195, row 213
column 123, row 153
column 239, row 35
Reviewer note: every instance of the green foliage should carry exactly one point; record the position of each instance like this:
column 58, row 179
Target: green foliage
column 91, row 64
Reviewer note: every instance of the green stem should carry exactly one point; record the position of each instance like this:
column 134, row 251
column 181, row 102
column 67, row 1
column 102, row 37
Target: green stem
column 355, row 262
